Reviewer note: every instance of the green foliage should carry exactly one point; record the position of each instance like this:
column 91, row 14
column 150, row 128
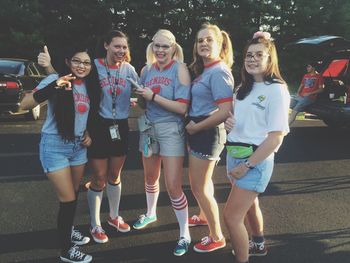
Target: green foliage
column 28, row 24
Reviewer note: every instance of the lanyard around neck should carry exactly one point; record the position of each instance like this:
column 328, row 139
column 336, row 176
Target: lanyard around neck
column 113, row 85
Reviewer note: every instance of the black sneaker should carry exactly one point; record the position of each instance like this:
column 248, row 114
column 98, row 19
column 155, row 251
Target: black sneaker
column 78, row 238
column 257, row 249
column 74, row 255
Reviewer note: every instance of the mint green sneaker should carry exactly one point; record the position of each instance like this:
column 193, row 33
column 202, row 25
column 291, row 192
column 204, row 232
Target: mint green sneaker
column 181, row 247
column 143, row 221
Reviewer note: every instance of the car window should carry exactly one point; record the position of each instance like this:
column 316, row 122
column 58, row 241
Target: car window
column 12, row 67
column 32, row 70
column 39, row 69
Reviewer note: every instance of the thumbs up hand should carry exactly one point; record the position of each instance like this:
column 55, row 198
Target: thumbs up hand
column 44, row 58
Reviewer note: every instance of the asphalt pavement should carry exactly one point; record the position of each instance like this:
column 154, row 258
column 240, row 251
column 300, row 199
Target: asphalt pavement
column 306, row 206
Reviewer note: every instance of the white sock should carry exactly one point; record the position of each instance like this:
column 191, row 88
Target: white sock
column 180, row 207
column 152, row 193
column 114, row 192
column 94, row 199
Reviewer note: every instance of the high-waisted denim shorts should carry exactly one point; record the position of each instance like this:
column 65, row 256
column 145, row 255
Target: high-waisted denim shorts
column 207, row 144
column 56, row 153
column 255, row 179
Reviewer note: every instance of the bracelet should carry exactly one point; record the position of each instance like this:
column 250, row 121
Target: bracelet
column 248, row 165
column 153, row 96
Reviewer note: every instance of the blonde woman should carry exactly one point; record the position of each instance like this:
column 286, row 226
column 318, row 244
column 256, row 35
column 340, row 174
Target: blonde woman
column 166, row 82
column 212, row 95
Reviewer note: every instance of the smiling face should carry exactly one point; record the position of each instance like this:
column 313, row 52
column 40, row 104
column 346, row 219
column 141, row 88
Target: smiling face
column 80, row 64
column 163, row 49
column 208, row 46
column 256, row 61
column 117, row 50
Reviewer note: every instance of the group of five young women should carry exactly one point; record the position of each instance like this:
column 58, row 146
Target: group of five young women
column 88, row 118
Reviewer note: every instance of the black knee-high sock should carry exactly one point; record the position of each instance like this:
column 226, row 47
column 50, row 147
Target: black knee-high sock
column 64, row 224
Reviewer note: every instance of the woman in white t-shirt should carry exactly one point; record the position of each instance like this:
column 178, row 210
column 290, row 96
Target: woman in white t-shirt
column 260, row 123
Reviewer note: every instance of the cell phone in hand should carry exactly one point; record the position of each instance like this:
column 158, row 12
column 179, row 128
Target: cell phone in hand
column 134, row 83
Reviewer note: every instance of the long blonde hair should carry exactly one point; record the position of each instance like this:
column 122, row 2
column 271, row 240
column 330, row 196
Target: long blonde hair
column 226, row 52
column 178, row 54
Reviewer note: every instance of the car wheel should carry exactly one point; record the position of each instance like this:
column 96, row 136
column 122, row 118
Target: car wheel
column 34, row 114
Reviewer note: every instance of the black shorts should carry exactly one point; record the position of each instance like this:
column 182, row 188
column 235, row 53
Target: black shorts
column 102, row 145
column 207, row 144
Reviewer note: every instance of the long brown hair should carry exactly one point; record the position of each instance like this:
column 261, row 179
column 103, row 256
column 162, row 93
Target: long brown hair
column 226, row 52
column 64, row 103
column 272, row 73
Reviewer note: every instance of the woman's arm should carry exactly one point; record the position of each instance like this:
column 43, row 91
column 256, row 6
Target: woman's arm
column 265, row 149
column 218, row 117
column 170, row 105
column 28, row 102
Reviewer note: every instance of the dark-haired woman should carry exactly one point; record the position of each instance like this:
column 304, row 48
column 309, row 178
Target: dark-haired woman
column 109, row 130
column 260, row 123
column 64, row 139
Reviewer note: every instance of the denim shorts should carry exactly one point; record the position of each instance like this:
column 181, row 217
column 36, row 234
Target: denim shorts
column 300, row 103
column 167, row 139
column 255, row 179
column 207, row 144
column 56, row 154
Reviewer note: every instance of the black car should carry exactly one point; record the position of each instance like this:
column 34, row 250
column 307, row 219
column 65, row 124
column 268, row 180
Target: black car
column 333, row 104
column 16, row 77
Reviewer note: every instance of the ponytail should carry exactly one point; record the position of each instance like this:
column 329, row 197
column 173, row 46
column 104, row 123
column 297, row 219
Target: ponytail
column 226, row 53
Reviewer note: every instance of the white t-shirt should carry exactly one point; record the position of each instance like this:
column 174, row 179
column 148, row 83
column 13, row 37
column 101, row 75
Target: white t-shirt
column 264, row 110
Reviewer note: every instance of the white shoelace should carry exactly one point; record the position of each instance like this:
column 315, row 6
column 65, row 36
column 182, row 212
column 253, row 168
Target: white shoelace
column 120, row 220
column 142, row 218
column 75, row 253
column 76, row 234
column 195, row 218
column 206, row 240
column 98, row 229
column 182, row 242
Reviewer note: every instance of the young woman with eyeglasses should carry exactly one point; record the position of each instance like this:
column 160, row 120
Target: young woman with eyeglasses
column 212, row 95
column 260, row 116
column 109, row 131
column 64, row 141
column 166, row 82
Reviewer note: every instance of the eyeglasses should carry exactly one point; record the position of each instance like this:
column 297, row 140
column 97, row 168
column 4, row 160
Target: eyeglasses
column 158, row 47
column 257, row 56
column 76, row 63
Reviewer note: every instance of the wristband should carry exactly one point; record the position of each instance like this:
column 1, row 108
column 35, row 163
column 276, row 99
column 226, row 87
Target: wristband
column 153, row 96
column 248, row 165
column 45, row 93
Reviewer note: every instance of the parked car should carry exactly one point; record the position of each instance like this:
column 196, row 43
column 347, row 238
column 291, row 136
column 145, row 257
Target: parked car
column 16, row 77
column 333, row 104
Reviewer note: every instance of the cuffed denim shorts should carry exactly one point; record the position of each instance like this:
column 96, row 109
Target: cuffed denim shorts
column 300, row 103
column 167, row 139
column 255, row 179
column 56, row 153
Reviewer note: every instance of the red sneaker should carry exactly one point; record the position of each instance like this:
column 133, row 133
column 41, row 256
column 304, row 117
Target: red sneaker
column 208, row 244
column 196, row 221
column 119, row 224
column 98, row 234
